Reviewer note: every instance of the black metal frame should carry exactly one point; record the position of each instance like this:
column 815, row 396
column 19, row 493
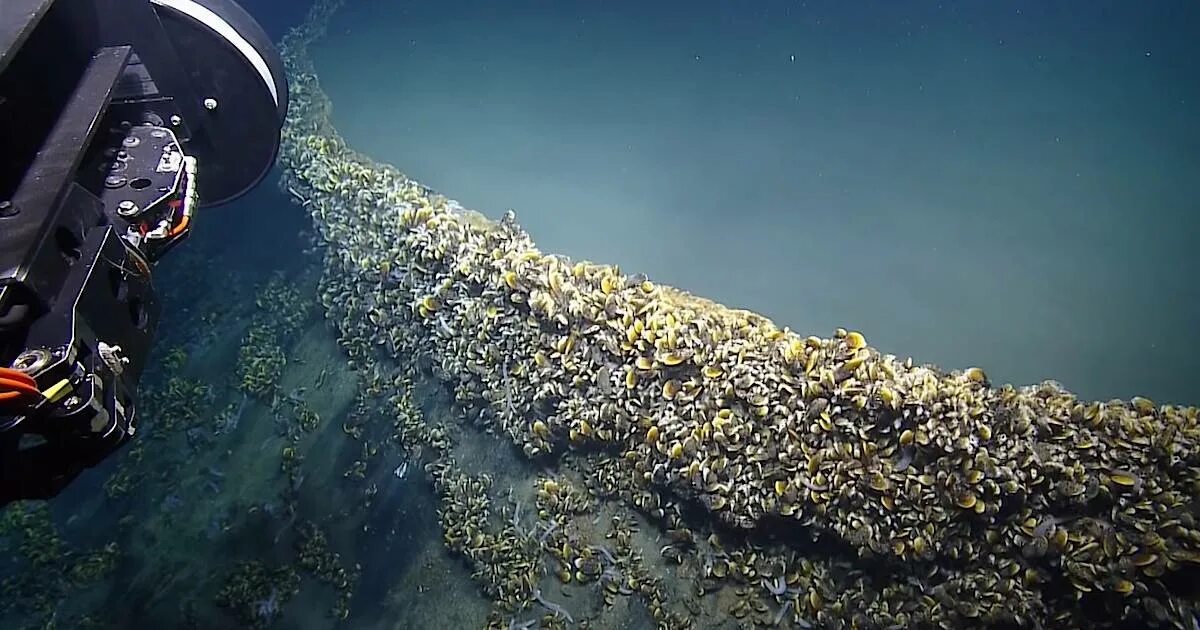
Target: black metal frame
column 91, row 91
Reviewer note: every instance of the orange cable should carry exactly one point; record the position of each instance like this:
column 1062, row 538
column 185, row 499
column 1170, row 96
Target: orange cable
column 16, row 397
column 20, row 386
column 17, row 375
column 183, row 223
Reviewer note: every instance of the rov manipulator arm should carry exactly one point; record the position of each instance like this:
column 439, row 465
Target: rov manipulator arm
column 118, row 120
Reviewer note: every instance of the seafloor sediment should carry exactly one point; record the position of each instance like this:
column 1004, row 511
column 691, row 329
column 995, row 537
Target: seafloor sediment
column 793, row 480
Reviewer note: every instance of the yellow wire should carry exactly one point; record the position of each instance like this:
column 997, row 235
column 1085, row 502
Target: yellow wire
column 58, row 390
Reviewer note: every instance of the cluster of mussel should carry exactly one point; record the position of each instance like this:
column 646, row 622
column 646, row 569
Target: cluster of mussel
column 256, row 593
column 280, row 313
column 959, row 502
column 315, row 557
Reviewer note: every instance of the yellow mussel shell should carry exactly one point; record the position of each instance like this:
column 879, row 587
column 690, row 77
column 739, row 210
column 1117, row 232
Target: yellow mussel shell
column 672, row 359
column 975, row 375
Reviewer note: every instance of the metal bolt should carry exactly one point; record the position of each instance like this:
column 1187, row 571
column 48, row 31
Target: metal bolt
column 127, row 208
column 114, row 181
column 7, row 209
column 28, row 360
column 176, row 120
column 210, row 103
column 131, row 141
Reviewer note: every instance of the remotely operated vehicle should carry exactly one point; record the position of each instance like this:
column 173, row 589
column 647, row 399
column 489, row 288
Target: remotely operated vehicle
column 119, row 119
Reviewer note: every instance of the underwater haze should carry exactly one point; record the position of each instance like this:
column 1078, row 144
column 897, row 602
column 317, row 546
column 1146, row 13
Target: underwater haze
column 1004, row 184
column 409, row 410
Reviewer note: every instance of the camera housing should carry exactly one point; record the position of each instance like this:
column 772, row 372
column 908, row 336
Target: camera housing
column 119, row 119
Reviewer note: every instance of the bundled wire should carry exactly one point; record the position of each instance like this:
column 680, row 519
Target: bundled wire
column 17, row 386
